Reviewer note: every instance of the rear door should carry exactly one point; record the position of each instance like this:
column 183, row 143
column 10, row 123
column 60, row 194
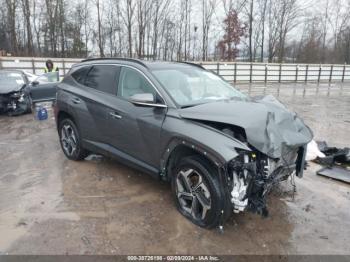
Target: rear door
column 93, row 101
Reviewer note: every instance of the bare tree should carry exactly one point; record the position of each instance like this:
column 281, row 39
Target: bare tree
column 27, row 14
column 340, row 15
column 263, row 5
column 178, row 29
column 100, row 39
column 128, row 17
column 208, row 8
column 143, row 19
column 11, row 6
column 288, row 11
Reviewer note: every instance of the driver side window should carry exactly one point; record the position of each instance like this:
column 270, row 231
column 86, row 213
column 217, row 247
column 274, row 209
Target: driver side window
column 132, row 82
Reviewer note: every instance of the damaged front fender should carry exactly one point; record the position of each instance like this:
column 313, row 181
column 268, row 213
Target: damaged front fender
column 207, row 141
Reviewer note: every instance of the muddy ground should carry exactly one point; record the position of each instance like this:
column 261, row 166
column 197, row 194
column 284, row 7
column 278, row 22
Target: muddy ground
column 50, row 205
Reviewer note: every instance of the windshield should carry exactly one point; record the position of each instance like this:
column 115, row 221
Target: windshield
column 192, row 86
column 11, row 80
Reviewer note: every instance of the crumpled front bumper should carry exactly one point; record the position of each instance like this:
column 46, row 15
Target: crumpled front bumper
column 253, row 175
column 14, row 103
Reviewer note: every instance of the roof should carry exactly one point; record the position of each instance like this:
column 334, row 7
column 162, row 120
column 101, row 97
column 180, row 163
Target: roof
column 144, row 63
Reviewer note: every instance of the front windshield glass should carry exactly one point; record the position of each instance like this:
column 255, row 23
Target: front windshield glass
column 11, row 79
column 190, row 86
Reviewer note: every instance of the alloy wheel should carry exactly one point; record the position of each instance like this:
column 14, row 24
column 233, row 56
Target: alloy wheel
column 192, row 194
column 68, row 139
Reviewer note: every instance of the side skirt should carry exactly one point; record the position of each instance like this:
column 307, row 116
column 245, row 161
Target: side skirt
column 110, row 151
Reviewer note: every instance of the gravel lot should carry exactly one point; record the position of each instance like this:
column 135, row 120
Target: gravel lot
column 50, row 205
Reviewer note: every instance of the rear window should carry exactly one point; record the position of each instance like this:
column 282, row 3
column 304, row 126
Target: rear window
column 103, row 78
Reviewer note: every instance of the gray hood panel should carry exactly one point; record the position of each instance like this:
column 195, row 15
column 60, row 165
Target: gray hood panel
column 6, row 89
column 268, row 124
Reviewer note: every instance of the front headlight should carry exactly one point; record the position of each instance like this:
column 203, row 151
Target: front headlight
column 16, row 94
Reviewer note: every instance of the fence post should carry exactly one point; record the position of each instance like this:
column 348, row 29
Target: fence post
column 218, row 68
column 342, row 78
column 306, row 73
column 319, row 73
column 33, row 66
column 250, row 72
column 64, row 67
column 296, row 73
column 235, row 73
column 266, row 67
column 279, row 74
column 330, row 74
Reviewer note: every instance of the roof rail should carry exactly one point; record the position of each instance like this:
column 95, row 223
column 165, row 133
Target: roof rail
column 193, row 64
column 116, row 58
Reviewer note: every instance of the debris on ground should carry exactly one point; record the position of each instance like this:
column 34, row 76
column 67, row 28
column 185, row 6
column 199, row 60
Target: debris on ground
column 313, row 151
column 336, row 161
column 335, row 172
column 333, row 155
column 85, row 240
column 21, row 223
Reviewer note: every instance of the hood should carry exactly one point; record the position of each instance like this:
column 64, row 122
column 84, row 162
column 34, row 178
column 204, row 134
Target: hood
column 6, row 88
column 269, row 125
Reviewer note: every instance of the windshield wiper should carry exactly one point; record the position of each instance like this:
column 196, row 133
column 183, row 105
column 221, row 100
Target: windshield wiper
column 194, row 104
column 201, row 103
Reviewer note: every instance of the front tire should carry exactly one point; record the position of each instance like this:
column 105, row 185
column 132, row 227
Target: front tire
column 28, row 102
column 197, row 192
column 70, row 140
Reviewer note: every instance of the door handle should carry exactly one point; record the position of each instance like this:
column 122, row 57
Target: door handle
column 115, row 115
column 76, row 100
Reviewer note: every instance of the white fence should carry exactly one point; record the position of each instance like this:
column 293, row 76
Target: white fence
column 231, row 71
column 271, row 72
column 36, row 65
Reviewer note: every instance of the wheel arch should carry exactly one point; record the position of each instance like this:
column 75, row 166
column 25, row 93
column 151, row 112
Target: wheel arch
column 63, row 114
column 180, row 148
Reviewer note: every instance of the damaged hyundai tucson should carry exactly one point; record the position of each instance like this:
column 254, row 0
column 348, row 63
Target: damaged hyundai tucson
column 221, row 150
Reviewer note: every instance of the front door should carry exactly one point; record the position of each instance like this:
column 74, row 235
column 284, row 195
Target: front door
column 44, row 88
column 135, row 130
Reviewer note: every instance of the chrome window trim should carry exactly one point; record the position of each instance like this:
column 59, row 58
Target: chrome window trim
column 164, row 104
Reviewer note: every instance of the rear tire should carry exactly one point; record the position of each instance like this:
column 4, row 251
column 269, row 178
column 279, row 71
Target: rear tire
column 70, row 140
column 197, row 192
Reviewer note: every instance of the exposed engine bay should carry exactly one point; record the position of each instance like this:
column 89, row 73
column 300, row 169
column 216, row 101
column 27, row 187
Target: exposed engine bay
column 252, row 175
column 15, row 103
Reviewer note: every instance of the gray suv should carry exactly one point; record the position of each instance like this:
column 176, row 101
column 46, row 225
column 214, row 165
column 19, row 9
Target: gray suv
column 221, row 150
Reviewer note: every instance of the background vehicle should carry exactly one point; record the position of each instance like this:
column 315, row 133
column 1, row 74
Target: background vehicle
column 17, row 93
column 221, row 150
column 14, row 96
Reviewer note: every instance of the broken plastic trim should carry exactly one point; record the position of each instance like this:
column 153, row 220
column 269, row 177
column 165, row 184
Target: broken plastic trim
column 253, row 175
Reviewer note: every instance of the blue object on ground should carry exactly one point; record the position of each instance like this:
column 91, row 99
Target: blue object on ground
column 41, row 113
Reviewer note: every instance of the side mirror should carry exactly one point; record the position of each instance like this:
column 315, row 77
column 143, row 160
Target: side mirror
column 35, row 83
column 145, row 99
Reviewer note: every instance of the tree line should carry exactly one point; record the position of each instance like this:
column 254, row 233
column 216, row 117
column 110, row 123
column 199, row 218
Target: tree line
column 207, row 30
